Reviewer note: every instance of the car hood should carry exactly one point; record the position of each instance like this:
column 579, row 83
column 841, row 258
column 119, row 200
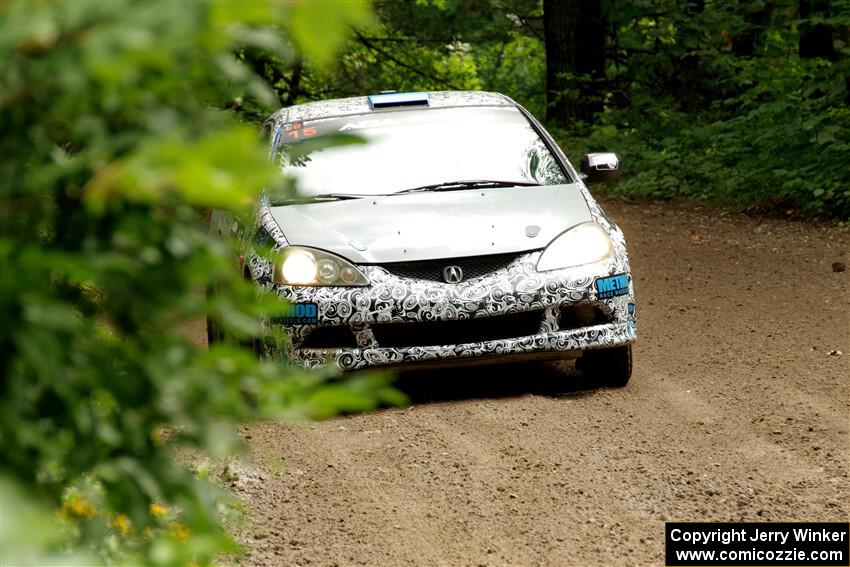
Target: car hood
column 434, row 225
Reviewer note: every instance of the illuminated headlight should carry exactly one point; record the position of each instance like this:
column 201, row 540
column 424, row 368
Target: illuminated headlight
column 308, row 266
column 583, row 244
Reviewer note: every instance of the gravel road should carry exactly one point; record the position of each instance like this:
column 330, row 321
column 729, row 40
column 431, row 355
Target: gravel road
column 737, row 410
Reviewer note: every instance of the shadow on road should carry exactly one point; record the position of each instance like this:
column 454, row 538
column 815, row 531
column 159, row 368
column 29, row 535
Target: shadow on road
column 493, row 381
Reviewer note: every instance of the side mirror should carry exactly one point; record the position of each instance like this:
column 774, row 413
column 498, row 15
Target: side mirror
column 597, row 168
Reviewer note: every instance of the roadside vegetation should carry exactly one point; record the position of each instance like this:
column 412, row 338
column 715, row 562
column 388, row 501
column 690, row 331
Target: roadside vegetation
column 116, row 135
column 123, row 123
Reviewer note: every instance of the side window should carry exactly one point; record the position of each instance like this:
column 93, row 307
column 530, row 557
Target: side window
column 550, row 168
column 271, row 133
column 262, row 238
column 541, row 165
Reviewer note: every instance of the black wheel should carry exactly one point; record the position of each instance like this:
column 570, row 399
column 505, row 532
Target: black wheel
column 214, row 331
column 216, row 335
column 608, row 366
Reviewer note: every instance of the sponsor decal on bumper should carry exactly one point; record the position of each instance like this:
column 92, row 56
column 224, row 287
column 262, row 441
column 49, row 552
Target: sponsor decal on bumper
column 301, row 313
column 612, row 286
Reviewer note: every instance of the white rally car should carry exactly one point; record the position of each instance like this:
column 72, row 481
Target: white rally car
column 458, row 233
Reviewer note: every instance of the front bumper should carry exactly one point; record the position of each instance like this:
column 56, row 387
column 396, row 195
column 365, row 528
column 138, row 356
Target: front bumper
column 546, row 346
column 546, row 301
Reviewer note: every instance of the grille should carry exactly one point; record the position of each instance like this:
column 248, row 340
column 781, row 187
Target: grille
column 582, row 315
column 434, row 333
column 473, row 267
column 336, row 336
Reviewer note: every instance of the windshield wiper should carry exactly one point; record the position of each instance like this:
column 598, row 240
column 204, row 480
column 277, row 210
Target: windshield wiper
column 323, row 197
column 471, row 184
column 446, row 186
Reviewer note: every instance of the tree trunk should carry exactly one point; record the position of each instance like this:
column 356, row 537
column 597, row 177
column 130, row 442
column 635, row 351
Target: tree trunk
column 575, row 33
column 815, row 40
column 751, row 40
column 294, row 82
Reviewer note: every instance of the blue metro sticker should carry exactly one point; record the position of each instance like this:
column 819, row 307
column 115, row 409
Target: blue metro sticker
column 612, row 286
column 299, row 314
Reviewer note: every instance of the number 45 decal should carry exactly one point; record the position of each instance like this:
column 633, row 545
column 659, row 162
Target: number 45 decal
column 296, row 131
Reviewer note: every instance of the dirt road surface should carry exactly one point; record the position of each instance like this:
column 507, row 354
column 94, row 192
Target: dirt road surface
column 737, row 410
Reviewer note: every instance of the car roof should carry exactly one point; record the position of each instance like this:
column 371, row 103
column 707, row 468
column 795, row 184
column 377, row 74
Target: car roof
column 360, row 105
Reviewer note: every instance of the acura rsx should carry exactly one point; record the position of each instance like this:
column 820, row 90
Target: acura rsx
column 455, row 231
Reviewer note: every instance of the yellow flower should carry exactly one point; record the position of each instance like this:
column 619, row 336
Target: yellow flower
column 121, row 523
column 157, row 509
column 77, row 507
column 179, row 531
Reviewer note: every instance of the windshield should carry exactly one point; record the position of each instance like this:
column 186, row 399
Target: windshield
column 412, row 149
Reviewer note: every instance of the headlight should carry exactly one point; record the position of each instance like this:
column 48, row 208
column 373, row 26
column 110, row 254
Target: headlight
column 308, row 266
column 583, row 244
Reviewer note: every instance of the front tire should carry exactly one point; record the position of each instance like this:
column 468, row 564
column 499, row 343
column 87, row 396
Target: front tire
column 216, row 335
column 611, row 367
column 214, row 331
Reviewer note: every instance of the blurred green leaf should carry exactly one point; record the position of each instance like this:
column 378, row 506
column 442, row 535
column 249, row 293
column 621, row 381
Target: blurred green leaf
column 121, row 124
column 319, row 29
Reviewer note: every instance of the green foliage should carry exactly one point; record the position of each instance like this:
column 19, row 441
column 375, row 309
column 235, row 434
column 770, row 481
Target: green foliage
column 32, row 532
column 767, row 131
column 319, row 31
column 434, row 45
column 114, row 143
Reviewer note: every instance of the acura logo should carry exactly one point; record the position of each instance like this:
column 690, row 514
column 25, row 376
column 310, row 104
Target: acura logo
column 452, row 274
